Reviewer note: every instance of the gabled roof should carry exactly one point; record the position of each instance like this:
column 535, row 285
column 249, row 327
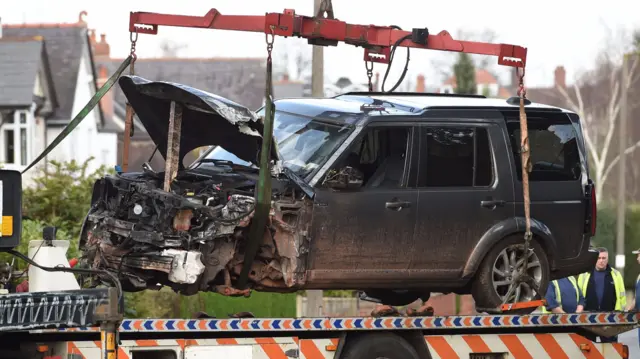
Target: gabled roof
column 65, row 47
column 20, row 61
column 241, row 80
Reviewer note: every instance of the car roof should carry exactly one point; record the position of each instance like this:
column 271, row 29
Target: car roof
column 357, row 104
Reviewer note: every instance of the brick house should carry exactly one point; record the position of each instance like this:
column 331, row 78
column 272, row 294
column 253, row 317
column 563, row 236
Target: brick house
column 486, row 83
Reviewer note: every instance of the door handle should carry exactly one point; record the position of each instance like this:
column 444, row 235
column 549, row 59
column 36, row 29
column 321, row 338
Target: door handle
column 492, row 204
column 397, row 205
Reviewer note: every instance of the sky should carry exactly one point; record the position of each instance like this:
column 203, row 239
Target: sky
column 568, row 33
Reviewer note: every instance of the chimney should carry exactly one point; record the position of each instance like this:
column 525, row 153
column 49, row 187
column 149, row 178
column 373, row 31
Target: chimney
column 81, row 16
column 285, row 77
column 560, row 77
column 420, row 84
column 101, row 50
column 92, row 37
column 106, row 102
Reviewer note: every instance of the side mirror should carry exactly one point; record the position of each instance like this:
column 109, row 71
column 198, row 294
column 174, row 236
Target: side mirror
column 345, row 178
column 10, row 209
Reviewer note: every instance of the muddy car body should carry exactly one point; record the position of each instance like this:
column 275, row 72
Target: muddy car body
column 397, row 195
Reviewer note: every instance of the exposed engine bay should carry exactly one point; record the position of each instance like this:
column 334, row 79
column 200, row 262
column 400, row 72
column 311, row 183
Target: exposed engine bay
column 189, row 228
column 192, row 238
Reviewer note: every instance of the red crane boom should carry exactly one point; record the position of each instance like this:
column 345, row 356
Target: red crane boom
column 327, row 31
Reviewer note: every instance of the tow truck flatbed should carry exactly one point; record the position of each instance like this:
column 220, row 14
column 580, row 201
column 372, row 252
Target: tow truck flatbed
column 494, row 336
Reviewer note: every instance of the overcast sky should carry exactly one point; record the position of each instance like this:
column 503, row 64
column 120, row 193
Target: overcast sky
column 567, row 32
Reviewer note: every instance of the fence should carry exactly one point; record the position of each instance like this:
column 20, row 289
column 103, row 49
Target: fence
column 443, row 304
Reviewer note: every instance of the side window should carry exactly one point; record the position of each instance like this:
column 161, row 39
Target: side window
column 455, row 157
column 554, row 149
column 380, row 155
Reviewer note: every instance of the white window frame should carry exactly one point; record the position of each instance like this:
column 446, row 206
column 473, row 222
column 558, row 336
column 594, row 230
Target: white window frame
column 16, row 127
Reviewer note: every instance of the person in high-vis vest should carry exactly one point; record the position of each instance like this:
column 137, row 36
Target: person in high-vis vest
column 603, row 288
column 635, row 302
column 564, row 296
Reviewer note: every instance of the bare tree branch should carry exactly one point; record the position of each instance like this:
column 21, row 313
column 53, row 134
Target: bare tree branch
column 170, row 48
column 616, row 159
column 596, row 98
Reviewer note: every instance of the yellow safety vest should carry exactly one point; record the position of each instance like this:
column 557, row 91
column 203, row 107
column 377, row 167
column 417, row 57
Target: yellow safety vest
column 559, row 295
column 618, row 282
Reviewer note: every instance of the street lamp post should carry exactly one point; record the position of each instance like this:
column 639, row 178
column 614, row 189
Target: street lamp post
column 622, row 164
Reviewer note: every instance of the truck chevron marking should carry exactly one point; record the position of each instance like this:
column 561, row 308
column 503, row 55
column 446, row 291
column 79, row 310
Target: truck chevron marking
column 315, row 324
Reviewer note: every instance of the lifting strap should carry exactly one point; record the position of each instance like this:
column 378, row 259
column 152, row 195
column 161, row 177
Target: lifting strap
column 523, row 277
column 83, row 113
column 263, row 198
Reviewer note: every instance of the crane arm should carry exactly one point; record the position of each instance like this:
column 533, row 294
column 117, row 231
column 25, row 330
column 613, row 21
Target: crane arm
column 376, row 40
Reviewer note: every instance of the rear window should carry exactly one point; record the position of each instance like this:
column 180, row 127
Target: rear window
column 554, row 148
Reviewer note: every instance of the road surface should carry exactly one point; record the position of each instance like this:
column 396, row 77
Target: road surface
column 630, row 339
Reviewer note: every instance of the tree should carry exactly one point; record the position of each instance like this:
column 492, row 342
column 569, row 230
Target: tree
column 595, row 96
column 443, row 62
column 465, row 74
column 61, row 196
column 170, row 48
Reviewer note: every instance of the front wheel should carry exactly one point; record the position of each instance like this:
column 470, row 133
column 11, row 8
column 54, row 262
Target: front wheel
column 379, row 345
column 499, row 270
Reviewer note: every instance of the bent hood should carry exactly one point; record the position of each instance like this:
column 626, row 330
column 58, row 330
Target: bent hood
column 207, row 119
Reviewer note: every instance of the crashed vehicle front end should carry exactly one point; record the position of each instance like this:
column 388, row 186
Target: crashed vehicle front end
column 194, row 236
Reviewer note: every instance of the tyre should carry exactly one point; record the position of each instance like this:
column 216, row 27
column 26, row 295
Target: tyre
column 379, row 345
column 497, row 272
column 397, row 297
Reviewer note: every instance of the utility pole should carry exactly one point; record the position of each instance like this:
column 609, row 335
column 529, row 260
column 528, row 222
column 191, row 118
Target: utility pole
column 622, row 166
column 314, row 297
column 317, row 63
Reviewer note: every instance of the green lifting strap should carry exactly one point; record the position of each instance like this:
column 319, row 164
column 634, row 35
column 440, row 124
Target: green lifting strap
column 263, row 195
column 83, row 113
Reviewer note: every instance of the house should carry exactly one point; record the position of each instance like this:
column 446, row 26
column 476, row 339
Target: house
column 287, row 88
column 421, row 85
column 69, row 82
column 344, row 85
column 487, row 84
column 27, row 99
column 239, row 79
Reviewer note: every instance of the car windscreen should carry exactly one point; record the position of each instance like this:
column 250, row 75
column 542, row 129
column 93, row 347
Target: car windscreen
column 304, row 143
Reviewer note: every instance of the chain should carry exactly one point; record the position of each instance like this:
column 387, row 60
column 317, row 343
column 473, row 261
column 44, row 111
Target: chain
column 269, row 41
column 522, row 91
column 133, row 36
column 369, row 66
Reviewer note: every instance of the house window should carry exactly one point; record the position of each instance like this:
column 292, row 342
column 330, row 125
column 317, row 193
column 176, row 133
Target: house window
column 15, row 137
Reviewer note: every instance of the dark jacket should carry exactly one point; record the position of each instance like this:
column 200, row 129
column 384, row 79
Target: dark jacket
column 608, row 297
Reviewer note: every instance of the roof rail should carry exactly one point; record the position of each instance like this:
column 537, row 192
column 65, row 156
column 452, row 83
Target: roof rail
column 435, row 94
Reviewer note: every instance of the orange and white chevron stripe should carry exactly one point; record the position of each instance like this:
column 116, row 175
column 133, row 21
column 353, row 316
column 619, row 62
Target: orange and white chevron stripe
column 518, row 346
column 522, row 346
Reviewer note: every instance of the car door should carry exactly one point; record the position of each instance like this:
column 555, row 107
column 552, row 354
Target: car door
column 464, row 183
column 365, row 235
column 555, row 181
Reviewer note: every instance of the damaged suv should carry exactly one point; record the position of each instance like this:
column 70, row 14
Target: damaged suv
column 396, row 195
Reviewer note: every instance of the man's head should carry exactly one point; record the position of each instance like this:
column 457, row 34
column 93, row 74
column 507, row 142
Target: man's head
column 603, row 259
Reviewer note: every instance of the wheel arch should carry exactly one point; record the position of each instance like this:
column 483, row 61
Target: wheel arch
column 504, row 229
